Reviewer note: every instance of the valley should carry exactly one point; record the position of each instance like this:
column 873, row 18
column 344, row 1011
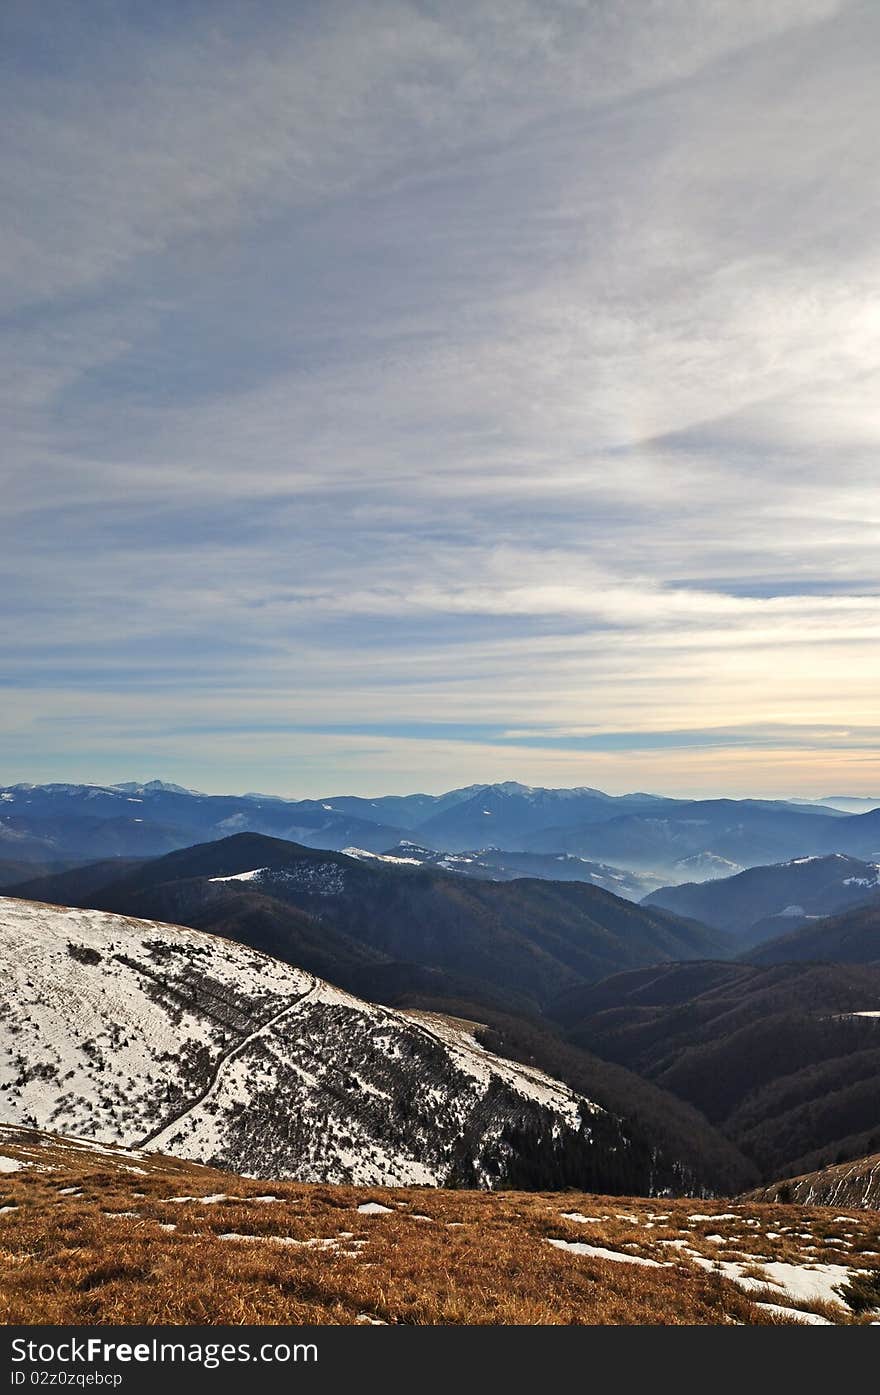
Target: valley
column 465, row 1022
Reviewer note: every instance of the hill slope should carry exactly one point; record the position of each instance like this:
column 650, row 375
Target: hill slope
column 501, row 865
column 152, row 1035
column 853, row 937
column 96, row 1235
column 763, row 903
column 851, row 1184
column 527, row 939
column 779, row 1058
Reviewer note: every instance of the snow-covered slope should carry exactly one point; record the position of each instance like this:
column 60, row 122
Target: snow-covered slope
column 149, row 1035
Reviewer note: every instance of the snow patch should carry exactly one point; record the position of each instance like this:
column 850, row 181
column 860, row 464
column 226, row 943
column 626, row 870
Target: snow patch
column 577, row 1247
column 722, row 1216
column 796, row 1315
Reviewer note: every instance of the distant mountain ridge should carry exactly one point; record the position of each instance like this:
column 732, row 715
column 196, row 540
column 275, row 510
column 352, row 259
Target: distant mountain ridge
column 740, row 832
column 510, row 815
column 849, row 803
column 645, row 835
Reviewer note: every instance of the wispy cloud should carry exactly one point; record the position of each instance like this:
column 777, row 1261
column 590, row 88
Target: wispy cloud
column 379, row 370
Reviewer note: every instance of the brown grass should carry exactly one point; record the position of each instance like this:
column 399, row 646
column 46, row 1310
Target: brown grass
column 478, row 1259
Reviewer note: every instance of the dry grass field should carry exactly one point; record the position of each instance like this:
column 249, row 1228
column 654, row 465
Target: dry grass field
column 103, row 1236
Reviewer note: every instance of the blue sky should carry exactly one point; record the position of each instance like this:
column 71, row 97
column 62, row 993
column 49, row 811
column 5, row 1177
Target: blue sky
column 402, row 394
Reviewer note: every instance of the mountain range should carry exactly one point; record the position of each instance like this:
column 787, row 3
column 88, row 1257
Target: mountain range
column 562, row 976
column 648, row 835
column 718, row 837
column 699, row 1019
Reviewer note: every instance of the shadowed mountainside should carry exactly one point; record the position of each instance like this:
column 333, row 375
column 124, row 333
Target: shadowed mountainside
column 778, row 1058
column 526, row 940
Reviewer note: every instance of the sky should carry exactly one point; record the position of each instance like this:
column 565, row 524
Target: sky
column 407, row 393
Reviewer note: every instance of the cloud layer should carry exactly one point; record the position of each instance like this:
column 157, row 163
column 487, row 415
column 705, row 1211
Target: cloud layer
column 405, row 391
